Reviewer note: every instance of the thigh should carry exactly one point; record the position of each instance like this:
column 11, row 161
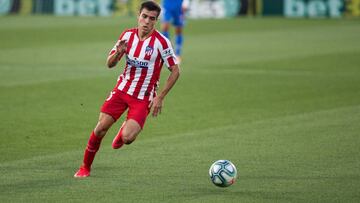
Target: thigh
column 130, row 130
column 114, row 105
column 104, row 124
column 166, row 16
column 138, row 111
column 179, row 18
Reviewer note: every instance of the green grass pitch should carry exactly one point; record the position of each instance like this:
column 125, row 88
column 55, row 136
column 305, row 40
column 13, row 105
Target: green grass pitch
column 280, row 98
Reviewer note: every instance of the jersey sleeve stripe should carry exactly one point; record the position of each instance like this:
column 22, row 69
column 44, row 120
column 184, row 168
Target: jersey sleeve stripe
column 113, row 50
column 162, row 40
column 122, row 34
column 171, row 61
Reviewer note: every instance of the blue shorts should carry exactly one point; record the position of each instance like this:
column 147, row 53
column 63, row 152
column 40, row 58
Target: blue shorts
column 174, row 15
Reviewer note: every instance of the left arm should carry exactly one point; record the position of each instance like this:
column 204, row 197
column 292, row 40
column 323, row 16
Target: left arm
column 157, row 103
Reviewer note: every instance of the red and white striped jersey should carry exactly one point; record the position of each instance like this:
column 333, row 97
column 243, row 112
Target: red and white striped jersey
column 144, row 60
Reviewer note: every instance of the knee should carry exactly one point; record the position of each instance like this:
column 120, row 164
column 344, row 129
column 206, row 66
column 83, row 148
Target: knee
column 178, row 31
column 101, row 130
column 128, row 138
column 165, row 27
column 103, row 125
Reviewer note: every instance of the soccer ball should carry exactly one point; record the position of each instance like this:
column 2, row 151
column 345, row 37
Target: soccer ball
column 222, row 173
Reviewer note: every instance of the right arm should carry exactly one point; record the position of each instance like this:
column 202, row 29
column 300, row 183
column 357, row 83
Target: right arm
column 115, row 57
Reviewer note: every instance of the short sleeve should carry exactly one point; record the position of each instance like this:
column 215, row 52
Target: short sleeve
column 167, row 53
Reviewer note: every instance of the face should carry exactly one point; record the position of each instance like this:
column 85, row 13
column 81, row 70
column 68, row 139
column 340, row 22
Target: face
column 147, row 20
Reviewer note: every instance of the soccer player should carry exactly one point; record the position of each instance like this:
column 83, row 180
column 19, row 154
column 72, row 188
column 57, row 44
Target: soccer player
column 145, row 50
column 174, row 10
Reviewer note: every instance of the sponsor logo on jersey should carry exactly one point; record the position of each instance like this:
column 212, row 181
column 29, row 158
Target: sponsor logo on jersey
column 137, row 63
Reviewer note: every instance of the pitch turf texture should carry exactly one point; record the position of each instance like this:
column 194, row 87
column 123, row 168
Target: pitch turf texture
column 280, row 98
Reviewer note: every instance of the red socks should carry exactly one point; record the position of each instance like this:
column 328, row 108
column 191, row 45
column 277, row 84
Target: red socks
column 91, row 149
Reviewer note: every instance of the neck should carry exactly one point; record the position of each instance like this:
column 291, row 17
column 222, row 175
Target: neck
column 143, row 35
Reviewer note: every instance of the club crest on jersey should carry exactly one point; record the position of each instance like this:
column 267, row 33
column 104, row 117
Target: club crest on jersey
column 149, row 50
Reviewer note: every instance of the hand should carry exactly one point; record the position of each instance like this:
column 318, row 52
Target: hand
column 121, row 46
column 184, row 9
column 157, row 105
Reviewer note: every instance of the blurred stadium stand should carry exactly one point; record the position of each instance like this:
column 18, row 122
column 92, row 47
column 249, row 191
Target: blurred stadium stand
column 197, row 9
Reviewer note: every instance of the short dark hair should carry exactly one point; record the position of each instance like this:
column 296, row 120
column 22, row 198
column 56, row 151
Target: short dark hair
column 151, row 6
